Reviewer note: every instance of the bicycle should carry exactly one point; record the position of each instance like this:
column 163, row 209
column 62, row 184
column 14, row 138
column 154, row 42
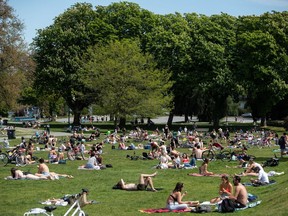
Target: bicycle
column 48, row 210
column 211, row 153
column 13, row 156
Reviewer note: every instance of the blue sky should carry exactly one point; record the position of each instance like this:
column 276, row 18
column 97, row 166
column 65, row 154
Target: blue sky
column 38, row 14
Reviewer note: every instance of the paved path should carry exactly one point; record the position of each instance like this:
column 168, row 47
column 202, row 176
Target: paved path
column 28, row 132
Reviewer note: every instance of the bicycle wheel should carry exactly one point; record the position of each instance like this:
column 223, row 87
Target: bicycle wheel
column 208, row 154
column 3, row 159
column 20, row 160
column 225, row 155
column 81, row 213
column 71, row 155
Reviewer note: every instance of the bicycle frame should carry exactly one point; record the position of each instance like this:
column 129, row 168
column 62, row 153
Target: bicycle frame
column 77, row 210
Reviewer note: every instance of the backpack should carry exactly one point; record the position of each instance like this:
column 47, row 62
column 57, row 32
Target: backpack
column 271, row 162
column 227, row 205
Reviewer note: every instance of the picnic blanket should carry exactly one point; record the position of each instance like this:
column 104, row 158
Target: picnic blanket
column 147, row 189
column 83, row 168
column 200, row 175
column 250, row 205
column 162, row 210
column 258, row 185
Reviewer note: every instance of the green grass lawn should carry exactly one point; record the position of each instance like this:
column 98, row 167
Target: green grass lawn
column 19, row 196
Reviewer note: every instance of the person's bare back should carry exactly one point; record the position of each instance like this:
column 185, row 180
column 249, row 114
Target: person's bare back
column 241, row 194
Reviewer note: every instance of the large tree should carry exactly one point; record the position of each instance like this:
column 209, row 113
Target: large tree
column 15, row 63
column 209, row 76
column 262, row 60
column 58, row 52
column 128, row 81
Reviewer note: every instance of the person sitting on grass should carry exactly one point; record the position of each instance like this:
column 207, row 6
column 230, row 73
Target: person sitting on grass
column 145, row 180
column 263, row 178
column 92, row 162
column 252, row 166
column 203, row 170
column 174, row 200
column 43, row 170
column 240, row 196
column 225, row 189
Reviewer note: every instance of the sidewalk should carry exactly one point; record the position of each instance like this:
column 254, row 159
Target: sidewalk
column 27, row 133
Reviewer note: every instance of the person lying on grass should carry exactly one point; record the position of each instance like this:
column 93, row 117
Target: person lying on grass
column 175, row 202
column 43, row 170
column 145, row 180
column 18, row 174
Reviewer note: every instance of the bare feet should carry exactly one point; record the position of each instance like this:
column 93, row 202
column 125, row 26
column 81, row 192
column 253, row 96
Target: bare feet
column 154, row 174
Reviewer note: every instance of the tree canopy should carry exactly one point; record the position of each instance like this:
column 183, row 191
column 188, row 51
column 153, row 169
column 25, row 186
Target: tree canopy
column 15, row 63
column 205, row 62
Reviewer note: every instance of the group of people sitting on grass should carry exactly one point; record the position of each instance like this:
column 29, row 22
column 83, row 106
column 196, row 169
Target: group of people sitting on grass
column 236, row 192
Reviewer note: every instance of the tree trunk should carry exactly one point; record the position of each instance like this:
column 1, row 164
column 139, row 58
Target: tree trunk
column 76, row 120
column 216, row 122
column 263, row 122
column 122, row 122
column 170, row 119
column 186, row 117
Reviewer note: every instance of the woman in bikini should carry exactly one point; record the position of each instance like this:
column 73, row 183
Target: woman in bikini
column 174, row 200
column 203, row 169
column 225, row 189
column 18, row 174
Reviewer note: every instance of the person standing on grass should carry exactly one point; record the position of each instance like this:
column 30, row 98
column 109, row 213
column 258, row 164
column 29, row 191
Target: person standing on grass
column 282, row 144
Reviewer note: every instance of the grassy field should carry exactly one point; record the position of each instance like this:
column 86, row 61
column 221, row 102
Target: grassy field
column 19, row 196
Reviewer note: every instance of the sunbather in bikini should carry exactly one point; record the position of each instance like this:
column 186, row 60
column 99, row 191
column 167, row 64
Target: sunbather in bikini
column 174, row 200
column 145, row 180
column 203, row 170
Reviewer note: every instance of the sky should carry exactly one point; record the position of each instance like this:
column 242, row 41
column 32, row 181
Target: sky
column 39, row 14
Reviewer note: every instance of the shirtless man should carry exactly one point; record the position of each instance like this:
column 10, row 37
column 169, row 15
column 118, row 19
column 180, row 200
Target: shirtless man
column 144, row 181
column 240, row 196
column 43, row 170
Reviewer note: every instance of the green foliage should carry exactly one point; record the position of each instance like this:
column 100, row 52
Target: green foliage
column 15, row 63
column 259, row 49
column 128, row 81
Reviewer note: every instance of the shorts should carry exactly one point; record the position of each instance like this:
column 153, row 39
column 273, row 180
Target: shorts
column 141, row 187
column 46, row 173
column 238, row 204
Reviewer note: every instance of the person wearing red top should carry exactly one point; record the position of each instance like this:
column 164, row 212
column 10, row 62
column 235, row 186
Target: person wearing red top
column 225, row 189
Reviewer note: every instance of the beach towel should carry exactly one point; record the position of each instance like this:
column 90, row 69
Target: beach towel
column 162, row 210
column 200, row 175
column 257, row 185
column 83, row 168
column 250, row 205
column 147, row 189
